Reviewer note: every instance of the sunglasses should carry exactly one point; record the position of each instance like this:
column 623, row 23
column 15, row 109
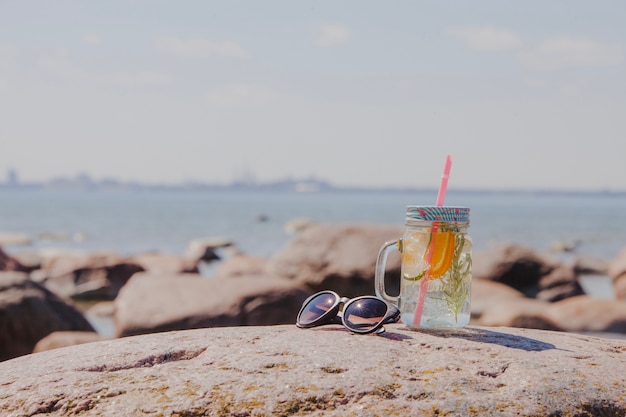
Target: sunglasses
column 362, row 315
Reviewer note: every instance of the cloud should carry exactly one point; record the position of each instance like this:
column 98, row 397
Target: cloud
column 332, row 35
column 566, row 52
column 487, row 38
column 200, row 48
column 135, row 79
column 535, row 83
column 60, row 66
column 7, row 54
column 571, row 90
column 243, row 94
column 6, row 50
column 92, row 39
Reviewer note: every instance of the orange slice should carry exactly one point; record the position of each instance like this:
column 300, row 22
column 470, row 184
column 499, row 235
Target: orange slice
column 441, row 252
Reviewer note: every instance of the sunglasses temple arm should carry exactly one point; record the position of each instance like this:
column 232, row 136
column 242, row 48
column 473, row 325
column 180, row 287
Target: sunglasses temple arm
column 393, row 317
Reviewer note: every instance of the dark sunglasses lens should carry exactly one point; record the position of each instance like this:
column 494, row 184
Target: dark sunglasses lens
column 364, row 314
column 316, row 308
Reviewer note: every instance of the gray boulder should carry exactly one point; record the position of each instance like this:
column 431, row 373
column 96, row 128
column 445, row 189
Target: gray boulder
column 560, row 283
column 285, row 371
column 9, row 263
column 56, row 340
column 590, row 265
column 205, row 249
column 485, row 294
column 29, row 312
column 14, row 239
column 589, row 314
column 242, row 265
column 338, row 257
column 520, row 312
column 156, row 303
column 92, row 276
column 535, row 275
column 617, row 271
column 30, row 260
column 298, row 224
column 582, row 314
column 619, row 285
column 165, row 263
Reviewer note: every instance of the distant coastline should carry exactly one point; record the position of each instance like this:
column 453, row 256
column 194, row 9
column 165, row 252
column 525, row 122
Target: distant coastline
column 84, row 183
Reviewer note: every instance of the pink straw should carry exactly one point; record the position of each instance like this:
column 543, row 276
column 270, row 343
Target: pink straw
column 441, row 195
column 444, row 181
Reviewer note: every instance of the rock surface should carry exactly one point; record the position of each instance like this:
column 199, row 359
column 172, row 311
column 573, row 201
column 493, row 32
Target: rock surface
column 617, row 271
column 204, row 249
column 156, row 303
column 165, row 263
column 58, row 340
column 242, row 266
column 338, row 257
column 574, row 314
column 285, row 371
column 9, row 263
column 94, row 276
column 487, row 293
column 29, row 312
column 620, row 287
column 534, row 274
column 589, row 314
column 8, row 239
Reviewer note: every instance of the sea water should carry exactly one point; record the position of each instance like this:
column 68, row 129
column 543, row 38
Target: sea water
column 166, row 221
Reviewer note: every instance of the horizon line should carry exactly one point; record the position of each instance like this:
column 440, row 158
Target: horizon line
column 309, row 185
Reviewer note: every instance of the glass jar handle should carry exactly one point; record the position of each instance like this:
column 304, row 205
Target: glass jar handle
column 381, row 262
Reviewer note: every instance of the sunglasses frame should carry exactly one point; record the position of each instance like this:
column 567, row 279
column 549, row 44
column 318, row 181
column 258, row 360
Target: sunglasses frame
column 334, row 315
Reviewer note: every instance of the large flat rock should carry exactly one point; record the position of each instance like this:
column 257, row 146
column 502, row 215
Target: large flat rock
column 284, row 371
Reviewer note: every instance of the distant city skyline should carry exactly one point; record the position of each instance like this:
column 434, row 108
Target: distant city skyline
column 84, row 182
column 12, row 177
column 523, row 95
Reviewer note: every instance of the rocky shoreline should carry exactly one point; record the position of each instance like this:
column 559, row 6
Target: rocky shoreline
column 513, row 286
column 256, row 371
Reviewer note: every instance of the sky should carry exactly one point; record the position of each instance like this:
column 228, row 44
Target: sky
column 522, row 94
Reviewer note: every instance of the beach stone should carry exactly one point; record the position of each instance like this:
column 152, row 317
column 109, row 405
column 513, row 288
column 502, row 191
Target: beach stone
column 338, row 257
column 9, row 263
column 588, row 314
column 298, row 224
column 61, row 237
column 485, row 293
column 285, row 371
column 56, row 340
column 560, row 283
column 590, row 265
column 617, row 265
column 29, row 312
column 156, row 303
column 520, row 312
column 527, row 271
column 564, row 246
column 14, row 239
column 30, row 260
column 242, row 266
column 92, row 276
column 619, row 285
column 205, row 248
column 165, row 263
column 102, row 309
column 617, row 271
